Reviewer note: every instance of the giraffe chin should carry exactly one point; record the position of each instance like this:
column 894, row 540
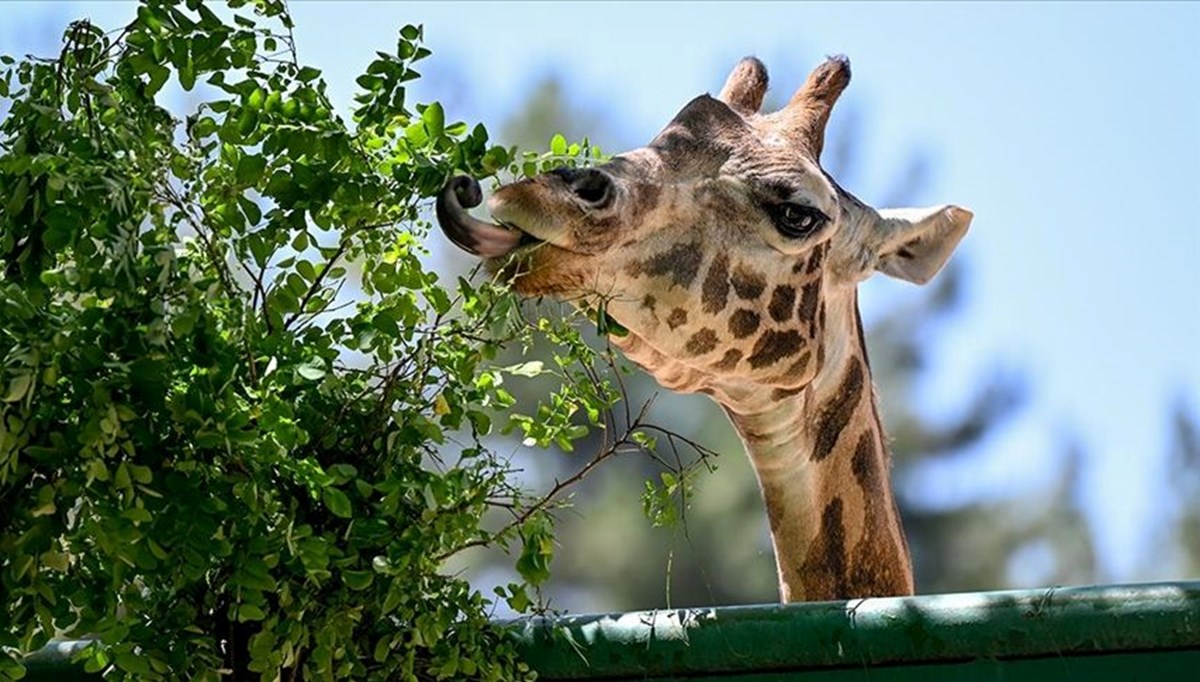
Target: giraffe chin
column 536, row 269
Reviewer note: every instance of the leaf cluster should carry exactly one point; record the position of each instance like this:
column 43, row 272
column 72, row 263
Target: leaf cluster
column 213, row 461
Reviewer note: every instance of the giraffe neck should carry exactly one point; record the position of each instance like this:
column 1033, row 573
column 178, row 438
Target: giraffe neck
column 823, row 466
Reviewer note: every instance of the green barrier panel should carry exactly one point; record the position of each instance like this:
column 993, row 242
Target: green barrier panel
column 1137, row 632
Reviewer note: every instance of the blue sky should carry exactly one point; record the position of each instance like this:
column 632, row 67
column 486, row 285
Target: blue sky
column 1071, row 130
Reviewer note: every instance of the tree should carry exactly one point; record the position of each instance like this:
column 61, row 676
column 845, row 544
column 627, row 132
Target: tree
column 1176, row 538
column 971, row 545
column 209, row 465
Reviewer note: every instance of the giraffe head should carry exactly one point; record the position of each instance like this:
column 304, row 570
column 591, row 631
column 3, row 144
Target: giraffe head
column 718, row 245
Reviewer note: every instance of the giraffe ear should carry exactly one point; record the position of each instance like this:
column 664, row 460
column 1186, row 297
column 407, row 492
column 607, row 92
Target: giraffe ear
column 914, row 243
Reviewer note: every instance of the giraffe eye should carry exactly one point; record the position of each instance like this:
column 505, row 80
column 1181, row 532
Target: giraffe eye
column 798, row 220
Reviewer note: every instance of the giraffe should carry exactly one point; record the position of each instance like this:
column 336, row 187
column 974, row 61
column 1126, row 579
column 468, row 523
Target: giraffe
column 733, row 261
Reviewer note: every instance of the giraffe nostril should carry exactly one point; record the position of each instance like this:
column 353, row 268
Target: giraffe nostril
column 591, row 186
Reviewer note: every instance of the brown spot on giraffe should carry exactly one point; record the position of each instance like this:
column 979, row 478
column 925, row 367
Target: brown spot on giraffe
column 701, row 342
column 743, row 323
column 813, row 262
column 747, row 283
column 782, row 299
column 831, row 569
column 714, row 294
column 874, row 559
column 648, row 302
column 677, row 317
column 773, row 491
column 824, row 569
column 645, row 199
column 681, row 263
column 729, row 360
column 774, row 346
column 835, row 415
column 796, row 373
column 817, row 259
column 807, row 311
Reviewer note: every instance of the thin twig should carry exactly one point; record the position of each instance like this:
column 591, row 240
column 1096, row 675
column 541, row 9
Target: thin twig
column 316, row 283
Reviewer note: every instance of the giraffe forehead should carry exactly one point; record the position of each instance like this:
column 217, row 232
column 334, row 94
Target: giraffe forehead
column 700, row 144
column 782, row 173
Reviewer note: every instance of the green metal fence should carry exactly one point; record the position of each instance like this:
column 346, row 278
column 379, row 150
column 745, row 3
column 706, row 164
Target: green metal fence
column 1138, row 632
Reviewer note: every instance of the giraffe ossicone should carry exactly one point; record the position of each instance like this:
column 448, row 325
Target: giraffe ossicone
column 733, row 261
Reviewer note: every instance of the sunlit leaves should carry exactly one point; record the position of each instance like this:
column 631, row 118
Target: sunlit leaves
column 537, row 549
column 434, row 121
column 232, row 392
column 182, row 434
column 664, row 502
column 560, row 155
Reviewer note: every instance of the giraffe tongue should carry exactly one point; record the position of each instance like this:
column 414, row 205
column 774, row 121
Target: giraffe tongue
column 469, row 233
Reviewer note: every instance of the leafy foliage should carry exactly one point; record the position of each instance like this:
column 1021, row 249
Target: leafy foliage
column 210, row 461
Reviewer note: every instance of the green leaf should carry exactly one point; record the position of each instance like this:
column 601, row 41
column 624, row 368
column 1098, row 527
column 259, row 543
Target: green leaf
column 416, row 134
column 121, row 479
column 306, row 270
column 313, row 369
column 250, row 209
column 18, row 386
column 435, row 120
column 55, row 560
column 141, row 474
column 45, row 502
column 137, row 515
column 255, row 574
column 300, row 242
column 517, row 598
column 250, row 612
column 358, row 580
column 537, row 549
column 558, row 145
column 133, row 664
column 294, row 282
column 337, row 502
column 250, row 168
column 187, row 75
column 526, row 369
column 158, row 76
column 247, row 122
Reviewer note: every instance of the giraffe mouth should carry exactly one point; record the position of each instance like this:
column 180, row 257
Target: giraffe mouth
column 484, row 239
